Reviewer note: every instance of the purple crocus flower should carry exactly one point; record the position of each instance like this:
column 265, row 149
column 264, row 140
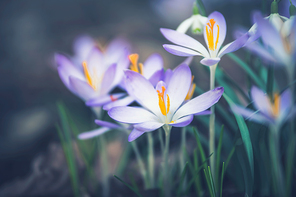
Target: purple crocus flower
column 162, row 105
column 92, row 73
column 268, row 111
column 152, row 69
column 214, row 35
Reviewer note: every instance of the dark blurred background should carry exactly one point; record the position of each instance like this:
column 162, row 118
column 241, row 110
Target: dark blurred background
column 31, row 31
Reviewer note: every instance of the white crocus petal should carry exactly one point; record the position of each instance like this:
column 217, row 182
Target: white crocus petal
column 148, row 126
column 185, row 25
column 152, row 64
column 287, row 27
column 82, row 88
column 121, row 102
column 250, row 115
column 107, row 81
column 131, row 114
column 93, row 133
column 199, row 22
column 134, row 135
column 182, row 122
column 276, row 21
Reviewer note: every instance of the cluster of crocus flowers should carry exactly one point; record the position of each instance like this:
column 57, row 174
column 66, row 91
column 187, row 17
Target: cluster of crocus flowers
column 214, row 35
column 272, row 111
column 92, row 72
column 162, row 105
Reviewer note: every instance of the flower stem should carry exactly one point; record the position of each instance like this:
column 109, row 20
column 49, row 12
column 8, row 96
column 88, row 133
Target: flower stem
column 104, row 164
column 182, row 156
column 274, row 147
column 166, row 179
column 212, row 122
column 150, row 159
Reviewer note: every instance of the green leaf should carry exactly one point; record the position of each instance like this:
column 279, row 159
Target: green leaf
column 219, row 153
column 132, row 188
column 222, row 177
column 247, row 69
column 184, row 171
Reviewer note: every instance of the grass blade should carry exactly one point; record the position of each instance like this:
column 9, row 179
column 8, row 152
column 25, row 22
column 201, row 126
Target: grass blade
column 212, row 181
column 133, row 189
column 182, row 179
column 222, row 177
column 219, row 147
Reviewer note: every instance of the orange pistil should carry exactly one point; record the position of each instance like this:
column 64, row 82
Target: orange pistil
column 113, row 98
column 210, row 34
column 164, row 109
column 191, row 90
column 135, row 66
column 275, row 106
column 90, row 80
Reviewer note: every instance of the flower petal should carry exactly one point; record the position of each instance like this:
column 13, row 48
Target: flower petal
column 261, row 101
column 104, row 99
column 209, row 61
column 184, row 40
column 93, row 133
column 142, row 90
column 234, row 46
column 178, row 87
column 285, row 103
column 121, row 102
column 108, row 78
column 180, row 51
column 83, row 45
column 131, row 114
column 219, row 20
column 134, row 135
column 107, row 124
column 207, row 112
column 148, row 126
column 82, row 88
column 153, row 64
column 200, row 103
column 184, row 26
column 182, row 122
column 250, row 115
column 156, row 77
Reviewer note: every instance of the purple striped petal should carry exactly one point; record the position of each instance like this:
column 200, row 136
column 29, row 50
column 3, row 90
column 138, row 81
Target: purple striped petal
column 184, row 40
column 107, row 124
column 82, row 88
column 219, row 20
column 134, row 135
column 200, row 103
column 234, row 46
column 108, row 78
column 148, row 126
column 104, row 99
column 180, row 51
column 210, row 61
column 285, row 103
column 142, row 91
column 261, row 101
column 182, row 122
column 153, row 64
column 121, row 102
column 131, row 114
column 250, row 115
column 178, row 86
column 93, row 133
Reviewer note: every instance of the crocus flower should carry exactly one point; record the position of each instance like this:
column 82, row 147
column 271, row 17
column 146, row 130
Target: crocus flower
column 214, row 35
column 152, row 69
column 268, row 111
column 97, row 74
column 162, row 105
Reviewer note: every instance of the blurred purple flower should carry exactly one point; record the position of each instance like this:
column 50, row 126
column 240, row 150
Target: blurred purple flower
column 268, row 111
column 214, row 35
column 162, row 105
column 93, row 73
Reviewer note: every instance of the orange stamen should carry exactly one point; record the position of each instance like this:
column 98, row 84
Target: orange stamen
column 210, row 34
column 191, row 90
column 88, row 76
column 275, row 106
column 164, row 109
column 135, row 66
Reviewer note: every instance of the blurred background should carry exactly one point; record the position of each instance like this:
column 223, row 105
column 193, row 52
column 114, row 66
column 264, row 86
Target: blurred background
column 31, row 31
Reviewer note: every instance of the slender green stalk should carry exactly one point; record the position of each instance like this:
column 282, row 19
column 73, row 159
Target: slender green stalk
column 141, row 164
column 166, row 185
column 105, row 165
column 274, row 147
column 182, row 156
column 212, row 122
column 150, row 159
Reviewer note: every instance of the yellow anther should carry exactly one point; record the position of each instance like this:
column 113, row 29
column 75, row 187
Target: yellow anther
column 210, row 34
column 191, row 90
column 90, row 80
column 135, row 66
column 164, row 109
column 275, row 106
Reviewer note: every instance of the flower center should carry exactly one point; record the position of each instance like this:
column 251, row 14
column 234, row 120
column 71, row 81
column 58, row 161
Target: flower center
column 91, row 79
column 210, row 34
column 191, row 90
column 275, row 105
column 164, row 108
column 135, row 66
